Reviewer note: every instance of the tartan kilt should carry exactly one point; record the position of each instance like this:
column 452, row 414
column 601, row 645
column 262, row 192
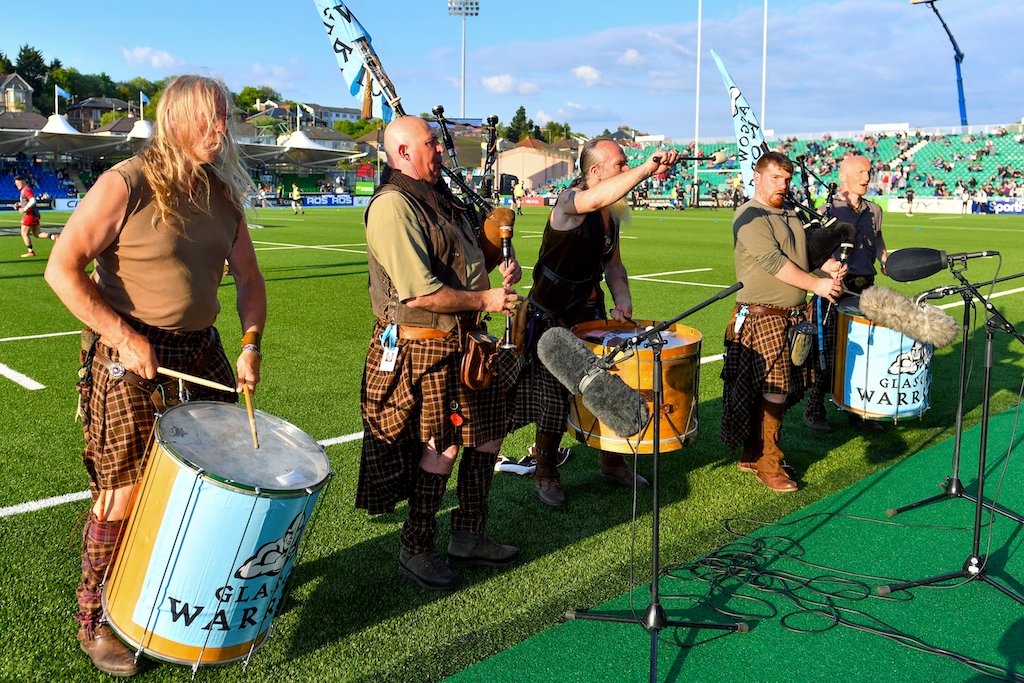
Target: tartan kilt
column 416, row 402
column 757, row 362
column 119, row 417
column 539, row 398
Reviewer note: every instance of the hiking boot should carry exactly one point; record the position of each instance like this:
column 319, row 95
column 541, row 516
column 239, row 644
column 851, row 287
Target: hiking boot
column 550, row 491
column 868, row 426
column 107, row 652
column 466, row 549
column 819, row 425
column 427, row 569
column 615, row 470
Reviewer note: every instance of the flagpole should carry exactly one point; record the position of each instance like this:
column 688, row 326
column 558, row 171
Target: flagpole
column 764, row 61
column 696, row 121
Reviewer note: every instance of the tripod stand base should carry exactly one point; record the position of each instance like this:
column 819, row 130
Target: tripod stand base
column 974, row 569
column 954, row 488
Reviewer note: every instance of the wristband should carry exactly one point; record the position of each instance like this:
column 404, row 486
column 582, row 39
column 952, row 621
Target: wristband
column 254, row 349
column 252, row 338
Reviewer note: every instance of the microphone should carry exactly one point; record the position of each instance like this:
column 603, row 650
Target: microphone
column 937, row 293
column 915, row 263
column 893, row 310
column 605, row 395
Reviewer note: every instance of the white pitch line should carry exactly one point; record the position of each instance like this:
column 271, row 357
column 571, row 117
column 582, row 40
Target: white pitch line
column 304, row 246
column 36, row 505
column 40, row 336
column 677, row 272
column 994, row 296
column 643, row 278
column 18, row 378
column 712, row 359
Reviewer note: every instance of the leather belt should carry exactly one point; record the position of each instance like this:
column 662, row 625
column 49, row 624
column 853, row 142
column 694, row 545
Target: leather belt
column 755, row 309
column 421, row 333
column 118, row 371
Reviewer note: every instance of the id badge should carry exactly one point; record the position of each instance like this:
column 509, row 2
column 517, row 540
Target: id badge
column 387, row 361
column 741, row 317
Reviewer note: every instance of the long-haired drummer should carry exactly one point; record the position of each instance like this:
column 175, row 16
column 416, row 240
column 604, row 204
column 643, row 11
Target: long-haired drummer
column 159, row 227
column 762, row 375
column 580, row 246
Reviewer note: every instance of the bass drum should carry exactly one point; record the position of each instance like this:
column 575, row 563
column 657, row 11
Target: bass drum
column 213, row 533
column 680, row 361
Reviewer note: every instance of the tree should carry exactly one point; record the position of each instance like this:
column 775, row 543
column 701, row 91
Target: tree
column 357, row 129
column 519, row 127
column 246, row 99
column 112, row 116
column 6, row 66
column 32, row 67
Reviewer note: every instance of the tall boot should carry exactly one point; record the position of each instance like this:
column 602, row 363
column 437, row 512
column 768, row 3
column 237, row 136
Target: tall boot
column 815, row 416
column 418, row 559
column 546, row 477
column 469, row 544
column 769, row 465
column 96, row 638
column 614, row 469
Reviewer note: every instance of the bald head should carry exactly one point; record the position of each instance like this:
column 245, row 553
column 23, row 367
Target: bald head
column 854, row 175
column 413, row 149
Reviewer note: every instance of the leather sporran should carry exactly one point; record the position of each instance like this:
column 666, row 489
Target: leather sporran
column 801, row 341
column 477, row 367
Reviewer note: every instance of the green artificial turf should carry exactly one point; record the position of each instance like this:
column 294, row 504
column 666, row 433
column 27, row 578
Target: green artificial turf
column 350, row 616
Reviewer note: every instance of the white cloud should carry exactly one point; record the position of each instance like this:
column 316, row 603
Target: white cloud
column 147, row 56
column 281, row 78
column 630, row 58
column 504, row 84
column 541, row 118
column 588, row 74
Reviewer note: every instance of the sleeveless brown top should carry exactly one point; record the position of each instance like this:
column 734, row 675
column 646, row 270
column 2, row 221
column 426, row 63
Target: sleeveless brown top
column 164, row 277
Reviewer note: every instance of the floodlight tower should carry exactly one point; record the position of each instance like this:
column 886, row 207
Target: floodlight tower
column 958, row 57
column 463, row 8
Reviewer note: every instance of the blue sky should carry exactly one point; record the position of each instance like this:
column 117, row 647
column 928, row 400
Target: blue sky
column 832, row 65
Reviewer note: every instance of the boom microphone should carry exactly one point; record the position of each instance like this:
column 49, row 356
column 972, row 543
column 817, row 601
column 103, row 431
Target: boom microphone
column 923, row 322
column 915, row 263
column 605, row 395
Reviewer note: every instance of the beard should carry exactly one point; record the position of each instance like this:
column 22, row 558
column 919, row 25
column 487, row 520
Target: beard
column 775, row 200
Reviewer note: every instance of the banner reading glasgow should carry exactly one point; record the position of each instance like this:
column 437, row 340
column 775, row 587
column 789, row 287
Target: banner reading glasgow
column 749, row 138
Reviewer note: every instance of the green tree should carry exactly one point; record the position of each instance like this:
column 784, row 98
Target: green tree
column 6, row 65
column 357, row 129
column 246, row 99
column 554, row 131
column 111, row 116
column 32, row 67
column 519, row 127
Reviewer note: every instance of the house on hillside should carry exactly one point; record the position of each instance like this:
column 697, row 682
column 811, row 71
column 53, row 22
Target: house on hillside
column 17, row 94
column 85, row 115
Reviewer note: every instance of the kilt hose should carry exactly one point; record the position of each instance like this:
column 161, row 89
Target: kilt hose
column 757, row 363
column 118, row 419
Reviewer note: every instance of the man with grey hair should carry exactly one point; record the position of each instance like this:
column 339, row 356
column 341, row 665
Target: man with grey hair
column 580, row 246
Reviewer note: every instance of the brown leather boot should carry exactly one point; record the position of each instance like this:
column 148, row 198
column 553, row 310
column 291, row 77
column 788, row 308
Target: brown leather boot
column 769, row 465
column 546, row 478
column 615, row 470
column 108, row 654
column 752, row 446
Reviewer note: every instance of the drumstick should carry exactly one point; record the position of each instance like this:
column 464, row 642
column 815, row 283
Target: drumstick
column 252, row 418
column 196, row 380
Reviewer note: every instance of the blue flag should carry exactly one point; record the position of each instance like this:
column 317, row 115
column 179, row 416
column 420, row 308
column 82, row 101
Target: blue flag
column 61, row 92
column 143, row 97
column 359, row 65
column 749, row 138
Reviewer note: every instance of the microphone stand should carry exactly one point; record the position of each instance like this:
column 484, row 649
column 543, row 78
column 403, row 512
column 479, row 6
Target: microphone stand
column 952, row 486
column 654, row 618
column 975, row 566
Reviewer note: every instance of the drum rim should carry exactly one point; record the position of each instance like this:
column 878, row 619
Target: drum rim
column 687, row 350
column 229, row 483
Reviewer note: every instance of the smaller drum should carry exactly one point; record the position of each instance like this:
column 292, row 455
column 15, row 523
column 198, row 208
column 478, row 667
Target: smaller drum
column 878, row 373
column 213, row 533
column 680, row 372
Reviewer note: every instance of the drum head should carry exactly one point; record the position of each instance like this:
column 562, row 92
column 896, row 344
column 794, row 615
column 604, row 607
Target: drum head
column 215, row 438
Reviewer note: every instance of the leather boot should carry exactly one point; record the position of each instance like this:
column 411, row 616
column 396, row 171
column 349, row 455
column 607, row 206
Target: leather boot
column 417, row 559
column 546, row 478
column 769, row 465
column 427, row 569
column 107, row 652
column 615, row 470
column 468, row 549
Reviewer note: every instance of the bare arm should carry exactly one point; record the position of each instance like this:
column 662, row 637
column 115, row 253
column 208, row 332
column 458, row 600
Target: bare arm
column 612, row 189
column 448, row 300
column 92, row 228
column 251, row 301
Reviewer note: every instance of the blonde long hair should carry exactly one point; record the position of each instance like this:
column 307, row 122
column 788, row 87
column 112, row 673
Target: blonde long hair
column 189, row 109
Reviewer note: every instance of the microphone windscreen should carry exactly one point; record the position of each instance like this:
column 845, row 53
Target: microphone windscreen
column 616, row 404
column 914, row 263
column 565, row 356
column 923, row 322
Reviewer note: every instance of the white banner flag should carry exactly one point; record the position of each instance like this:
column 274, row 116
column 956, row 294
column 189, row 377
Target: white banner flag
column 749, row 138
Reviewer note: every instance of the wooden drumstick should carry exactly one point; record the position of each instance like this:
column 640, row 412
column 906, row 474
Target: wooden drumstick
column 252, row 418
column 197, row 380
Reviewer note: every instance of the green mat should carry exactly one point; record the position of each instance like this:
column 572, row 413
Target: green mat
column 830, row 556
